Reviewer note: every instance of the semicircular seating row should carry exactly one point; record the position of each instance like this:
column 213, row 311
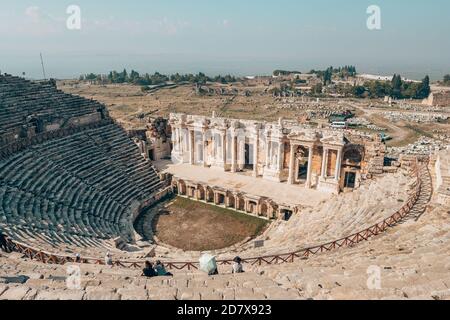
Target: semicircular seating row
column 20, row 98
column 77, row 191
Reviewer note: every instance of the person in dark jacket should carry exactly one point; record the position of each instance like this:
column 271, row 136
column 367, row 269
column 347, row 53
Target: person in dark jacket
column 149, row 271
column 237, row 265
column 3, row 243
column 161, row 270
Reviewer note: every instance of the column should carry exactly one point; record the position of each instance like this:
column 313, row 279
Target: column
column 324, row 162
column 205, row 149
column 227, row 200
column 233, row 153
column 180, row 140
column 175, row 140
column 241, row 153
column 310, row 160
column 191, row 147
column 291, row 179
column 224, row 150
column 268, row 147
column 337, row 172
column 280, row 155
column 255, row 154
column 197, row 193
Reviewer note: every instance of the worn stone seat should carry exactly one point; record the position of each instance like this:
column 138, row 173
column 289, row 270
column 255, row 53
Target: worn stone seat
column 77, row 187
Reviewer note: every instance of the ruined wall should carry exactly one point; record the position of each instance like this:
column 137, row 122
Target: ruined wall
column 373, row 152
column 159, row 138
column 438, row 99
column 373, row 161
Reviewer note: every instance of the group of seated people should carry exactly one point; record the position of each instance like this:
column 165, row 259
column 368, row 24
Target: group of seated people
column 150, row 270
column 156, row 270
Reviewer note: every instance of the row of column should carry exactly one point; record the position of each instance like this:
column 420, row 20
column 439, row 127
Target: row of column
column 269, row 154
column 325, row 158
column 234, row 150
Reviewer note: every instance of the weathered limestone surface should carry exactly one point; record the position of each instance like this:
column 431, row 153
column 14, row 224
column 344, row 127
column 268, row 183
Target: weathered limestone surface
column 285, row 152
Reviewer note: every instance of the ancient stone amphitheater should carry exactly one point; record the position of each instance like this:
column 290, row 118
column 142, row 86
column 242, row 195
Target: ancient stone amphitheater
column 73, row 182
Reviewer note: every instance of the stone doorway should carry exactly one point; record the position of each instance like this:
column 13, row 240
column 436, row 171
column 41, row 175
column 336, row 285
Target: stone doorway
column 151, row 154
column 350, row 180
column 302, row 174
column 302, row 156
column 248, row 161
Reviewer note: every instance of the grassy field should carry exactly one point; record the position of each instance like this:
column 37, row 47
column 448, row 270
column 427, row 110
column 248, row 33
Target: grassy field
column 197, row 226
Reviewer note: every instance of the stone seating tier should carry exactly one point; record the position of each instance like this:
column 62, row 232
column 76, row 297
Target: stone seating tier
column 80, row 190
column 20, row 98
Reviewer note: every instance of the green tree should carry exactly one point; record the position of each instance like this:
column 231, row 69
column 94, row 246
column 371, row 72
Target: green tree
column 447, row 79
column 397, row 84
column 359, row 91
column 423, row 90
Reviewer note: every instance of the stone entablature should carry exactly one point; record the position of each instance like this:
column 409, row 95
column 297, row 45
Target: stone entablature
column 323, row 159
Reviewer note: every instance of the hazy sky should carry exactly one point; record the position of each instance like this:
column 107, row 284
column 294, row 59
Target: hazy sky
column 242, row 37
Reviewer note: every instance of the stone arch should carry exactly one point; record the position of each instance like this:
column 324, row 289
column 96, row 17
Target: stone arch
column 264, row 209
column 353, row 155
column 231, row 200
column 182, row 187
column 240, row 203
column 209, row 194
column 273, row 211
column 201, row 192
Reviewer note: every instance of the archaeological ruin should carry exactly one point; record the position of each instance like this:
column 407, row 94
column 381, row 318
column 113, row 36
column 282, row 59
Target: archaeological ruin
column 286, row 152
column 74, row 185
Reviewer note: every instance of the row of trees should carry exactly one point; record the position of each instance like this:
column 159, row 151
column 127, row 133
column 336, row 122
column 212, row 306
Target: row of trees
column 446, row 80
column 154, row 79
column 340, row 72
column 396, row 88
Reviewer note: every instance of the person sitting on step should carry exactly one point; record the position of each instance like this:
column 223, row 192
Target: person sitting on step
column 161, row 270
column 108, row 259
column 3, row 243
column 149, row 271
column 237, row 265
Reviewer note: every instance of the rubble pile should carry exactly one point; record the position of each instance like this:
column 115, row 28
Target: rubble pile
column 419, row 108
column 314, row 110
column 423, row 146
column 415, row 117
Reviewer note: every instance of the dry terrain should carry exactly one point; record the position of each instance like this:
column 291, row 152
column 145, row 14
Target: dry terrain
column 196, row 226
column 131, row 106
column 126, row 102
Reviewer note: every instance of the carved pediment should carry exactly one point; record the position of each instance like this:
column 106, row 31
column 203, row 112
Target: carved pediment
column 305, row 136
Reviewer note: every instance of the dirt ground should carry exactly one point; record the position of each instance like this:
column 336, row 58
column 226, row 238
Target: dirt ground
column 125, row 102
column 196, row 226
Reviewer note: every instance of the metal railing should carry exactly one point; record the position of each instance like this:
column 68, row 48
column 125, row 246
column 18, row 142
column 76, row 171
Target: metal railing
column 349, row 241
